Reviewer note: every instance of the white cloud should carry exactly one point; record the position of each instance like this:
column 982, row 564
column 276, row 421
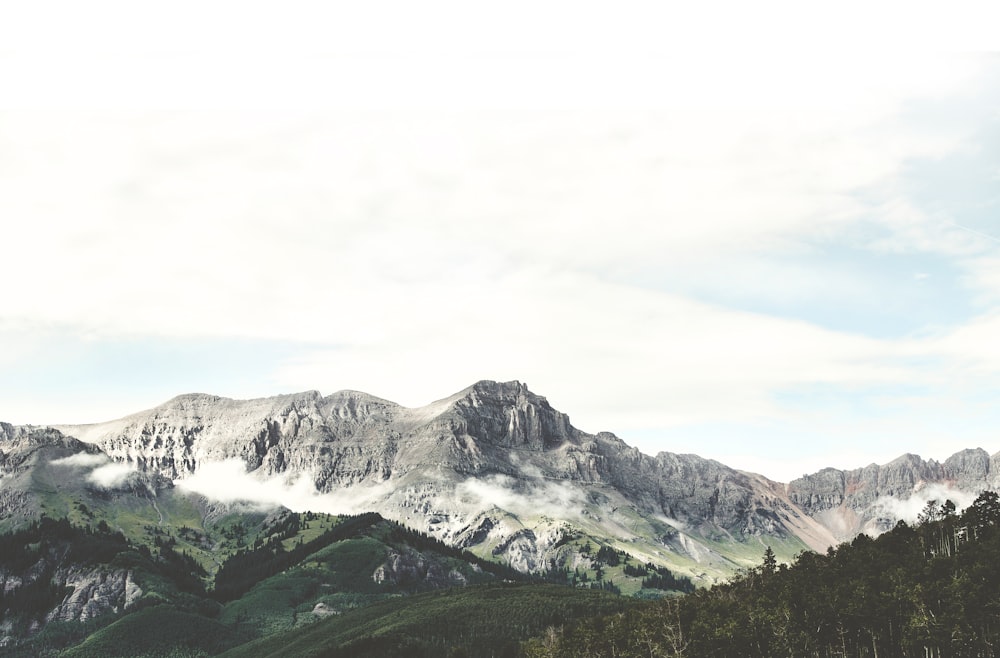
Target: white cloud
column 637, row 358
column 81, row 459
column 909, row 509
column 537, row 498
column 103, row 472
column 111, row 476
column 415, row 252
column 228, row 481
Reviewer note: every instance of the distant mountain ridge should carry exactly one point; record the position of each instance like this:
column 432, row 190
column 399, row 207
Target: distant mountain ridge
column 497, row 469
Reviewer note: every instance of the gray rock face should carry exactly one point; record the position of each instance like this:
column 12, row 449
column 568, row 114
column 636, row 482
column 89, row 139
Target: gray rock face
column 972, row 466
column 852, row 501
column 487, row 430
column 410, row 568
column 21, row 446
column 95, row 592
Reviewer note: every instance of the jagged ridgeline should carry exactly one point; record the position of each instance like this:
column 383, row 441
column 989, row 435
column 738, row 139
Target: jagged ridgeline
column 496, row 469
column 126, row 537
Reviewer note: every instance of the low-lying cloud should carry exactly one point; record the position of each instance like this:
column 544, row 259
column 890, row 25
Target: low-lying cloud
column 543, row 498
column 228, row 481
column 103, row 472
column 909, row 509
column 111, row 476
column 81, row 459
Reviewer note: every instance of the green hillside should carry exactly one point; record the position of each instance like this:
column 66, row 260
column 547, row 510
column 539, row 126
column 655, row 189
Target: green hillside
column 487, row 620
column 331, row 595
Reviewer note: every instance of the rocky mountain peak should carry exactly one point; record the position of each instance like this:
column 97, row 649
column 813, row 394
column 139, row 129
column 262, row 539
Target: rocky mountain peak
column 968, row 465
column 510, row 415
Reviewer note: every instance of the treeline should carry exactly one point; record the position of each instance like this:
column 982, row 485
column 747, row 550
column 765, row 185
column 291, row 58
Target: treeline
column 245, row 568
column 927, row 591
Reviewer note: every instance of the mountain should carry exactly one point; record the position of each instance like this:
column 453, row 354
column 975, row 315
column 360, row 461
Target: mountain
column 494, row 468
column 872, row 499
column 497, row 469
column 172, row 517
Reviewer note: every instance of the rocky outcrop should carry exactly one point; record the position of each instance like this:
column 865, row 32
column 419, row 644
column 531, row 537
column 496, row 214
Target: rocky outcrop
column 95, row 592
column 408, row 568
column 81, row 590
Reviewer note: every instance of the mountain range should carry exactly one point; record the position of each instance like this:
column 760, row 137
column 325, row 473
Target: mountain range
column 496, row 469
column 235, row 521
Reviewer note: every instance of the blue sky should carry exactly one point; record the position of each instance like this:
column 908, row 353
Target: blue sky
column 782, row 262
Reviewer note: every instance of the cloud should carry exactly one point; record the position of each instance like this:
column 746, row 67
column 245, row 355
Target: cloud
column 659, row 358
column 81, row 459
column 228, row 481
column 909, row 509
column 103, row 472
column 523, row 499
column 410, row 254
column 111, row 476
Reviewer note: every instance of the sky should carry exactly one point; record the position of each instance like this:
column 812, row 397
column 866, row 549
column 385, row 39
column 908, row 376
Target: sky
column 761, row 235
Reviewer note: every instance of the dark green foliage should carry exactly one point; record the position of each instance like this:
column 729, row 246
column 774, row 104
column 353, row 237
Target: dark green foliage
column 477, row 621
column 274, row 584
column 607, row 586
column 247, row 567
column 662, row 578
column 636, row 571
column 915, row 592
column 157, row 631
column 243, row 570
column 33, row 599
column 609, row 556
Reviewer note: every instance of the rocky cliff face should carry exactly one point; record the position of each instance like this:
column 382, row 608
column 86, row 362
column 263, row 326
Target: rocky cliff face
column 23, row 449
column 85, row 591
column 490, row 429
column 854, row 501
column 22, row 446
column 95, row 591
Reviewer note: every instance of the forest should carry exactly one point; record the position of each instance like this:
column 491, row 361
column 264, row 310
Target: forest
column 931, row 590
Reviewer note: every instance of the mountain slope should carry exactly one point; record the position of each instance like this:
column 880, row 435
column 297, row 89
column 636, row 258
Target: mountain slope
column 493, row 468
